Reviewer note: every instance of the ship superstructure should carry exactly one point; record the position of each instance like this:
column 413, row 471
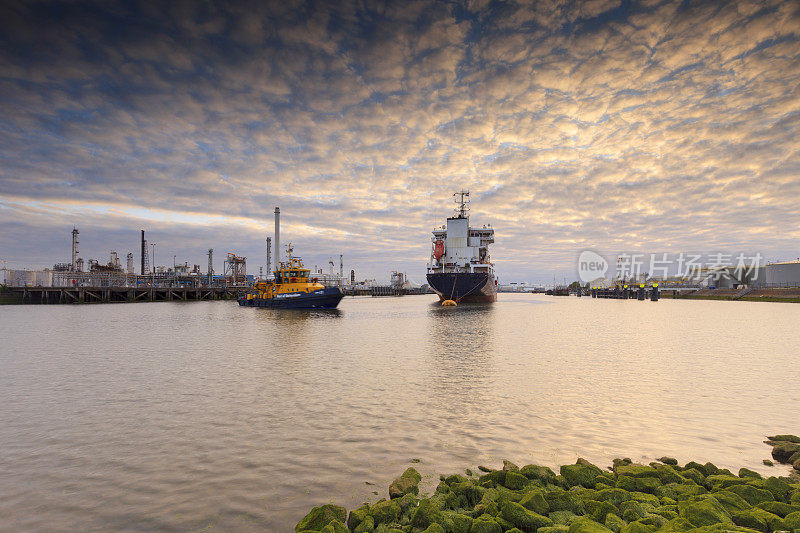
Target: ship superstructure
column 460, row 268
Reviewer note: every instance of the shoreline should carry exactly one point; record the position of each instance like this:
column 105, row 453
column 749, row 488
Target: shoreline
column 583, row 498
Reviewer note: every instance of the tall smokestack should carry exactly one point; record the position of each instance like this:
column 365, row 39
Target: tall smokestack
column 277, row 238
column 144, row 253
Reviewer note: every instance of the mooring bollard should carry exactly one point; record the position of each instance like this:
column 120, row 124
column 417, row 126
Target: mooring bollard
column 640, row 294
column 654, row 293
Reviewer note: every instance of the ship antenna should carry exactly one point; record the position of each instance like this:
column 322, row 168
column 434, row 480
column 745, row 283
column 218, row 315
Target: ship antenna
column 463, row 204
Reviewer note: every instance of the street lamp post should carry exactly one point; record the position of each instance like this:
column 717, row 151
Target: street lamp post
column 175, row 270
column 154, row 262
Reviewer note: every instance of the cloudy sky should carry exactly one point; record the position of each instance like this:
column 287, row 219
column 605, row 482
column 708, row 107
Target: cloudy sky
column 614, row 125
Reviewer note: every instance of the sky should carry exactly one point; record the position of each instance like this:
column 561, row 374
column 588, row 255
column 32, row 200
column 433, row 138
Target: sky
column 604, row 124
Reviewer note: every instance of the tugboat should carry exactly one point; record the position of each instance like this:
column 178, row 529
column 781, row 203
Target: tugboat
column 292, row 289
column 460, row 269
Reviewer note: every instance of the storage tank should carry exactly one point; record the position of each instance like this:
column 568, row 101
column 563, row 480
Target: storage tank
column 782, row 274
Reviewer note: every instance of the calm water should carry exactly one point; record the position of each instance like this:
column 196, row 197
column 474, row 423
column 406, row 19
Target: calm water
column 208, row 416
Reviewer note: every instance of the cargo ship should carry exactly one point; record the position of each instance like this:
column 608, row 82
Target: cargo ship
column 292, row 288
column 460, row 268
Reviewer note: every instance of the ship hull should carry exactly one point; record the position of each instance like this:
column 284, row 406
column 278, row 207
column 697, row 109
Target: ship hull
column 327, row 298
column 471, row 287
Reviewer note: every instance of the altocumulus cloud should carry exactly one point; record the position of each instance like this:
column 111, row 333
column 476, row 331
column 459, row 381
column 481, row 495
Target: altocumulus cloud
column 670, row 125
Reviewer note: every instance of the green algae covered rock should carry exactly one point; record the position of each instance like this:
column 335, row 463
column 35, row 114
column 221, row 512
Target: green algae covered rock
column 522, row 518
column 580, row 474
column 634, row 470
column 385, row 511
column 561, row 500
column 535, row 472
column 667, row 474
column 485, row 524
column 705, row 512
column 365, row 526
column 426, row 514
column 731, row 501
column 696, row 466
column 495, row 477
column 534, row 500
column 461, row 523
column 407, row 483
column 614, row 496
column 515, row 480
column 783, row 451
column 643, row 497
column 669, row 461
column 548, row 529
column 676, row 525
column 586, row 525
column 614, row 522
column 335, row 526
column 758, row 519
column 434, row 528
column 779, row 508
column 508, row 466
column 320, row 517
column 792, row 521
column 746, row 472
column 785, row 438
column 778, row 487
column 753, row 495
column 599, row 510
column 638, row 527
column 564, row 518
column 695, row 475
column 632, row 510
column 357, row 516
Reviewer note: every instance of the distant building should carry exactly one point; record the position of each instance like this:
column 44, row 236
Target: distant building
column 785, row 274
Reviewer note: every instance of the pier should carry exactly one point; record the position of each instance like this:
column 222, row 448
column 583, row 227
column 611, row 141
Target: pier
column 87, row 295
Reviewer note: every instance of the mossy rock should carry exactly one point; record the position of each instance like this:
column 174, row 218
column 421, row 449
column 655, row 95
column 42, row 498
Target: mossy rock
column 455, row 478
column 695, row 475
column 562, row 500
column 385, row 511
column 778, row 508
column 643, row 497
column 614, row 496
column 718, row 482
column 679, row 491
column 357, row 516
column 472, row 493
column 599, row 510
column 534, row 500
column 321, row 516
column 731, row 501
column 653, row 519
column 402, row 486
column 746, row 472
column 667, row 474
column 783, row 451
column 514, row 480
column 711, row 469
column 426, row 514
column 365, row 526
column 794, row 498
column 496, row 477
column 538, row 472
column 792, row 521
column 564, row 518
column 632, row 510
column 637, row 471
column 705, row 512
column 587, row 525
column 614, row 522
column 508, row 466
column 548, row 529
column 669, row 461
column 677, row 525
column 697, row 466
column 461, row 523
column 785, row 438
column 638, row 527
column 580, row 474
column 758, row 519
column 778, row 487
column 753, row 495
column 434, row 528
column 485, row 524
column 522, row 518
column 335, row 526
column 669, row 514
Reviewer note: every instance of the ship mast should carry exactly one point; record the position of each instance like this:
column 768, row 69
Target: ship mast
column 463, row 203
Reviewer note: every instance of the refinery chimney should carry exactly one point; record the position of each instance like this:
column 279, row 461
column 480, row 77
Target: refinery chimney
column 277, row 238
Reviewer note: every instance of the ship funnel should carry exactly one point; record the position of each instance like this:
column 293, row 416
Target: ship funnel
column 277, row 238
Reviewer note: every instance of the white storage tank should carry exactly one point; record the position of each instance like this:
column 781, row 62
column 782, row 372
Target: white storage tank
column 782, row 274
